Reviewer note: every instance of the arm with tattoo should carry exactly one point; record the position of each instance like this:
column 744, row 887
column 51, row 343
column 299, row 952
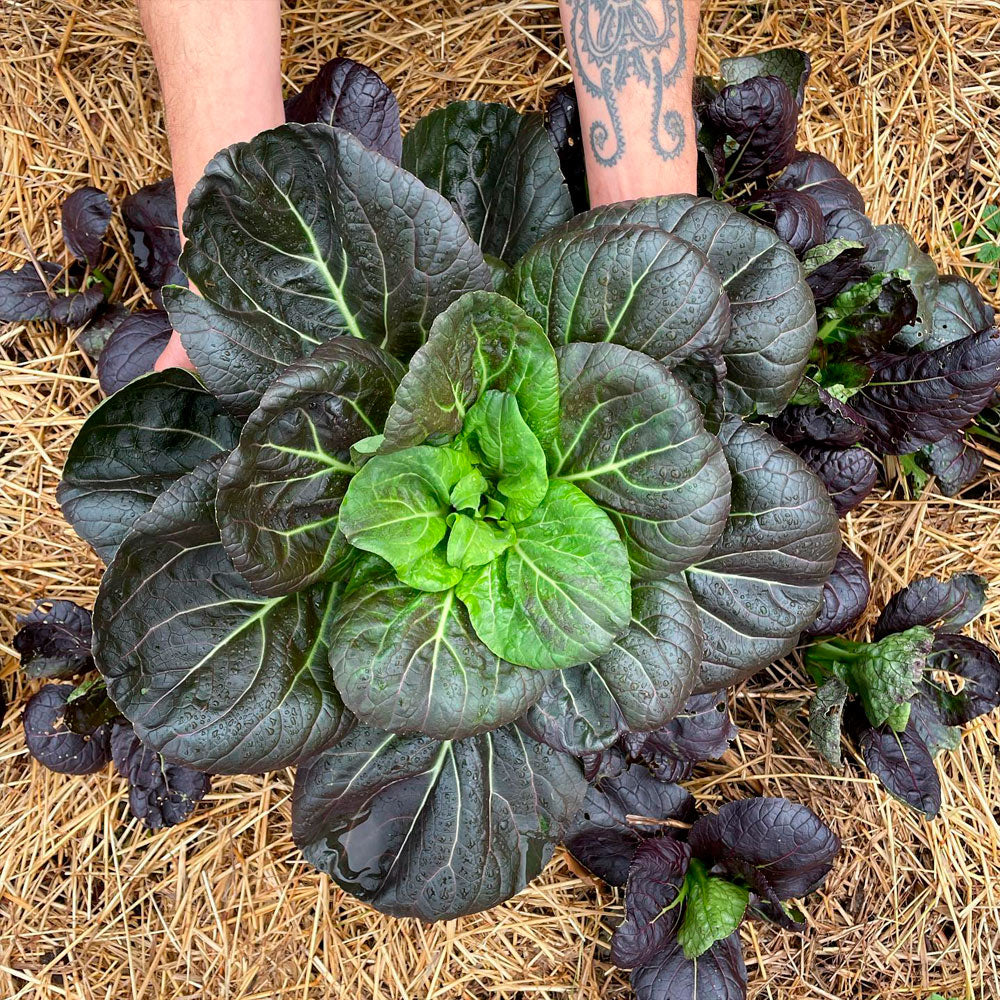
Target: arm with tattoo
column 633, row 65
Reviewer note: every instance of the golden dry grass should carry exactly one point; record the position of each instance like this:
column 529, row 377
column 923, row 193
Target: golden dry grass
column 904, row 99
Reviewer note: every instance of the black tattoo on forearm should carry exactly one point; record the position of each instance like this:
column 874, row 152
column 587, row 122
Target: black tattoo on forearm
column 615, row 40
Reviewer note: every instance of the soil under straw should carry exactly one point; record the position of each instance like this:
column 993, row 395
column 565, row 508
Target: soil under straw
column 903, row 98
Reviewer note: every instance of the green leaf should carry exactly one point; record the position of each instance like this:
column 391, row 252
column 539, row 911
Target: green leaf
column 633, row 439
column 713, row 909
column 560, row 595
column 410, row 661
column 475, row 543
column 508, row 451
column 397, row 505
column 467, row 493
column 497, row 167
column 826, row 253
column 790, row 65
column 280, row 490
column 826, row 712
column 132, row 447
column 432, row 572
column 482, row 342
column 210, row 673
column 886, row 673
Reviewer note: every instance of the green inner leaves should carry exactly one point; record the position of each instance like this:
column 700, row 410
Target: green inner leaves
column 713, row 909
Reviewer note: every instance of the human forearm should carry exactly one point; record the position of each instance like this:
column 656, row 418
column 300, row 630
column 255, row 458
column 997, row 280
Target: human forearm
column 633, row 65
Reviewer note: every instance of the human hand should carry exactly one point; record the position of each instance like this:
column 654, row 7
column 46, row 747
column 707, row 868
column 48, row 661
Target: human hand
column 173, row 355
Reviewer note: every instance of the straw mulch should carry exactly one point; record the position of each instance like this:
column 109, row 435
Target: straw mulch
column 903, row 97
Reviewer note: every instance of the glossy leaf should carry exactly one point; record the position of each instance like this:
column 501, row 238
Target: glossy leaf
column 830, row 266
column 280, row 490
column 957, row 311
column 52, row 744
column 816, row 176
column 86, row 214
column 794, row 216
column 849, row 474
column 562, row 120
column 497, row 167
column 151, row 220
column 950, row 603
column 133, row 348
column 791, row 65
column 633, row 440
column 848, row 224
column 818, row 419
column 560, row 595
column 885, row 673
column 762, row 582
column 481, row 342
column 892, row 248
column 209, row 673
column 434, row 830
column 410, row 662
column 24, row 296
column 53, row 640
column 713, row 909
column 132, row 447
column 978, row 666
column 845, row 596
column 902, row 762
column 354, row 97
column 719, row 974
column 953, row 461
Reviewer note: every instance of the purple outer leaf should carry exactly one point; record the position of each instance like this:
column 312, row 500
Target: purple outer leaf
column 23, row 295
column 928, row 601
column 761, row 116
column 849, row 474
column 848, row 224
column 77, row 308
column 719, row 974
column 792, row 65
column 349, row 95
column 54, row 640
column 159, row 793
column 827, row 421
column 845, row 596
column 52, row 744
column 562, row 121
column 85, row 217
column 602, row 839
column 902, row 762
column 978, row 664
column 794, row 216
column 916, row 399
column 151, row 217
column 953, row 462
column 133, row 348
column 655, row 878
column 781, row 848
column 834, row 275
column 817, row 176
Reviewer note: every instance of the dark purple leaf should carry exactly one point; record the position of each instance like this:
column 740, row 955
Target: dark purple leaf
column 781, row 848
column 133, row 348
column 23, row 295
column 892, row 248
column 719, row 974
column 950, row 603
column 831, row 266
column 794, row 216
column 52, row 744
column 978, row 665
column 159, row 793
column 88, row 707
column 77, row 308
column 54, row 640
column 608, row 763
column 849, row 474
column 702, row 731
column 562, row 120
column 822, row 420
column 655, row 878
column 845, row 596
column 958, row 310
column 866, row 323
column 817, row 176
column 349, row 95
column 902, row 762
column 603, row 840
column 151, row 218
column 953, row 462
column 791, row 65
column 916, row 399
column 85, row 217
column 848, row 224
column 759, row 116
column 92, row 338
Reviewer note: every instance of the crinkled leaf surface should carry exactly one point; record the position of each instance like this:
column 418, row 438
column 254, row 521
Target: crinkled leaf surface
column 484, row 341
column 848, row 224
column 85, row 217
column 280, row 490
column 560, row 595
column 88, row 707
column 790, row 65
column 562, row 120
column 77, row 308
column 351, row 96
column 826, row 713
column 24, row 296
column 781, row 848
column 794, row 216
column 819, row 178
column 849, row 474
column 132, row 447
column 762, row 582
column 633, row 285
column 845, row 596
column 434, row 830
column 957, row 311
column 632, row 438
column 52, row 744
column 819, row 419
column 151, row 219
column 830, row 266
column 497, row 167
column 304, row 229
column 655, row 877
column 886, row 673
column 639, row 684
column 719, row 974
column 772, row 314
column 927, row 716
column 713, row 909
column 53, row 640
column 410, row 662
column 209, row 673
column 603, row 839
column 950, row 603
column 133, row 348
column 979, row 667
column 902, row 762
column 953, row 462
